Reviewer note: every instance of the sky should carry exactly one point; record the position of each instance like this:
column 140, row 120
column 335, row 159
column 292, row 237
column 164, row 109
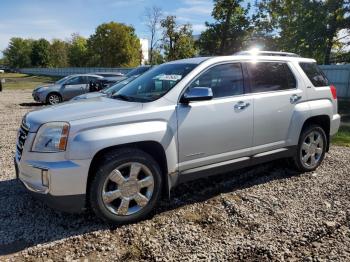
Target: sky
column 60, row 18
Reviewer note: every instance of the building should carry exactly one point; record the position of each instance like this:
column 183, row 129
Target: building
column 144, row 50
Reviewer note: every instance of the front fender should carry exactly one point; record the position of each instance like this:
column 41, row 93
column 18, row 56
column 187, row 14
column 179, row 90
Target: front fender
column 86, row 143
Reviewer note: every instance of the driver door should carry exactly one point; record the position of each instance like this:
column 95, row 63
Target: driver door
column 74, row 86
column 220, row 129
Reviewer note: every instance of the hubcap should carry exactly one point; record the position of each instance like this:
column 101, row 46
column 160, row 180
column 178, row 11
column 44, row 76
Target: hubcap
column 54, row 99
column 128, row 189
column 312, row 149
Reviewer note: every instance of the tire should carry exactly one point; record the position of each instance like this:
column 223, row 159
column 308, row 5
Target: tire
column 53, row 99
column 134, row 196
column 311, row 149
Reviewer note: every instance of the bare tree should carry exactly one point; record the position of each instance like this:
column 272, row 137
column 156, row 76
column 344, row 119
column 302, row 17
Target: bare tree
column 153, row 17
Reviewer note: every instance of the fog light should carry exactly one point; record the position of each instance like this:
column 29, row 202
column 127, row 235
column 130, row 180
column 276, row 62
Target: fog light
column 45, row 177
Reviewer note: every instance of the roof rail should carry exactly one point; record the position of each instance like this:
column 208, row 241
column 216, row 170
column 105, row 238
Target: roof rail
column 266, row 53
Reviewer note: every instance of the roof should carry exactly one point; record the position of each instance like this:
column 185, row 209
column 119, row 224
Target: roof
column 247, row 55
column 86, row 75
column 266, row 53
column 194, row 60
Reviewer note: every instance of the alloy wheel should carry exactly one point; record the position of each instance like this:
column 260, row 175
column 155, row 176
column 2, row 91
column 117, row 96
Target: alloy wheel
column 312, row 149
column 128, row 189
column 54, row 99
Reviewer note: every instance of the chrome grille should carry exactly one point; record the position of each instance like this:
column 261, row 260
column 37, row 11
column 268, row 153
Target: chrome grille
column 22, row 136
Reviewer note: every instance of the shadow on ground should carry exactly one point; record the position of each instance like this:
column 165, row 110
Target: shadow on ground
column 31, row 104
column 25, row 222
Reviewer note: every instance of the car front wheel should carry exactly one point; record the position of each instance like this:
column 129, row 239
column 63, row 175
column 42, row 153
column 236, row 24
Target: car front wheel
column 126, row 187
column 53, row 99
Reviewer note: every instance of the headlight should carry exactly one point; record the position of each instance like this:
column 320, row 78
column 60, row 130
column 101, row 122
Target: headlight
column 51, row 137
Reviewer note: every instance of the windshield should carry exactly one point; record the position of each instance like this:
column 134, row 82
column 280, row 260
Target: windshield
column 154, row 83
column 138, row 71
column 62, row 80
column 116, row 87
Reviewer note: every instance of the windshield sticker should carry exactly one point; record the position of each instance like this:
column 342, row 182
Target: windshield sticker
column 164, row 77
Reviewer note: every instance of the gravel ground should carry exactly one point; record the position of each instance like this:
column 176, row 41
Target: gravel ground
column 264, row 213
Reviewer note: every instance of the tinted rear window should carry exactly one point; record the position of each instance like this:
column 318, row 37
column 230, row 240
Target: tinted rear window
column 270, row 76
column 315, row 74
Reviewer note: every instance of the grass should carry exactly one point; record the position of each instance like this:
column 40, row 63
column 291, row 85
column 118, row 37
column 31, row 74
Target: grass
column 17, row 81
column 342, row 138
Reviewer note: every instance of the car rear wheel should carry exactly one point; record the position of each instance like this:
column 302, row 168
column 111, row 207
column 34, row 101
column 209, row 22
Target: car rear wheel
column 126, row 187
column 311, row 148
column 53, row 99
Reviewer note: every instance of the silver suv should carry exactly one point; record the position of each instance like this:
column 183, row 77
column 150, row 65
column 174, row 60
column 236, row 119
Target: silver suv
column 177, row 122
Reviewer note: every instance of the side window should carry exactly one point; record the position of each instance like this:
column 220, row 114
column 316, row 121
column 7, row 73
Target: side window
column 315, row 74
column 224, row 80
column 76, row 81
column 92, row 79
column 270, row 76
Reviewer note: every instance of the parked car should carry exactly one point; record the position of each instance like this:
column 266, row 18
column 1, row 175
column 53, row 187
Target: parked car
column 136, row 71
column 179, row 121
column 108, row 91
column 110, row 77
column 65, row 88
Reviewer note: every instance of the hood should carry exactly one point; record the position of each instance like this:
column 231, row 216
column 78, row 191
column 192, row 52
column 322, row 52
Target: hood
column 89, row 95
column 79, row 109
column 118, row 78
column 44, row 87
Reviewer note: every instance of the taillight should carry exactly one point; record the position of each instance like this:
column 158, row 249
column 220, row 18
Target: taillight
column 333, row 91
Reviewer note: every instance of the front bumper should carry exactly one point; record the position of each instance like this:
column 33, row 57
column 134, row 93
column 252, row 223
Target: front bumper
column 38, row 97
column 67, row 180
column 68, row 203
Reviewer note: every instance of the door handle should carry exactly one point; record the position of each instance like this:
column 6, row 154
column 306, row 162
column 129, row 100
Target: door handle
column 241, row 105
column 295, row 98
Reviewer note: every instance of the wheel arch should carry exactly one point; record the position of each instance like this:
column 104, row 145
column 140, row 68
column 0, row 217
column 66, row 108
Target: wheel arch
column 51, row 93
column 322, row 121
column 153, row 148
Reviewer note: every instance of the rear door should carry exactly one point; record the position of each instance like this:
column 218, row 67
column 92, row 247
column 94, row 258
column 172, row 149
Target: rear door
column 74, row 86
column 276, row 91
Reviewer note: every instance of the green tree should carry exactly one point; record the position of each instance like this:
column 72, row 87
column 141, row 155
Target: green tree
column 40, row 55
column 262, row 32
column 177, row 39
column 337, row 18
column 115, row 44
column 307, row 27
column 229, row 31
column 77, row 51
column 157, row 57
column 58, row 53
column 18, row 52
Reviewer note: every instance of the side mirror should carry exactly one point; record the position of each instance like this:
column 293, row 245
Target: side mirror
column 197, row 94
